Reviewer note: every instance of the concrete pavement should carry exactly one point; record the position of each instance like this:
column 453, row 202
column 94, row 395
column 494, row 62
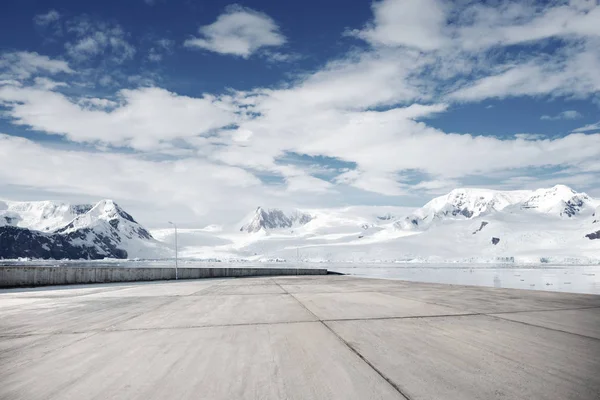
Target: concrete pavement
column 305, row 337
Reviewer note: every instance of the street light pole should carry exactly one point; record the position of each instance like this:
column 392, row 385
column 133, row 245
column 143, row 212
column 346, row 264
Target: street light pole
column 176, row 273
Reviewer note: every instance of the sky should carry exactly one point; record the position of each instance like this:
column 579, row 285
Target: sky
column 200, row 111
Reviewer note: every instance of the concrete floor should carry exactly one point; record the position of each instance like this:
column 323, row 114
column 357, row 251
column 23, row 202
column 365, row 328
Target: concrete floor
column 322, row 337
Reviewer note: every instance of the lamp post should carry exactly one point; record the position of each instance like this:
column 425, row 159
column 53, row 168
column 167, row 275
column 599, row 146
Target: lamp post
column 176, row 273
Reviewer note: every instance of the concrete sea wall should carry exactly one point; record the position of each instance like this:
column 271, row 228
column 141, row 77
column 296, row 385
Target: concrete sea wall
column 26, row 276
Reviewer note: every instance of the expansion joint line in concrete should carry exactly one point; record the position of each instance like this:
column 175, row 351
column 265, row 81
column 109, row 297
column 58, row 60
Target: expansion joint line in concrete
column 543, row 327
column 396, row 294
column 494, row 315
column 352, row 349
column 406, row 317
column 546, row 310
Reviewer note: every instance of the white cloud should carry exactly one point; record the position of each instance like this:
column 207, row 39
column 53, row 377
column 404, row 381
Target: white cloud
column 520, row 22
column 239, row 31
column 96, row 39
column 44, row 83
column 160, row 48
column 11, row 82
column 385, row 184
column 463, row 40
column 23, row 65
column 44, row 20
column 146, row 119
column 569, row 114
column 589, row 127
column 570, row 72
column 307, row 183
column 329, row 113
column 435, row 24
column 414, row 23
column 364, row 113
column 175, row 185
column 580, row 180
column 358, row 82
column 383, row 144
column 437, row 186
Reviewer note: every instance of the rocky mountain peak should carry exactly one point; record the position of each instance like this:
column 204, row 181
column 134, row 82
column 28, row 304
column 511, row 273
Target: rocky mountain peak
column 83, row 231
column 268, row 219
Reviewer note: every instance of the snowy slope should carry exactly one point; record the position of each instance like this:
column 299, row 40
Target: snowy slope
column 463, row 204
column 45, row 216
column 499, row 237
column 110, row 222
column 465, row 225
column 559, row 200
column 595, row 225
column 326, row 227
column 100, row 231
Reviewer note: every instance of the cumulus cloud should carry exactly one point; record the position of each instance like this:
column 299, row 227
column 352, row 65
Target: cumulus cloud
column 413, row 23
column 22, row 65
column 239, row 31
column 145, row 119
column 569, row 114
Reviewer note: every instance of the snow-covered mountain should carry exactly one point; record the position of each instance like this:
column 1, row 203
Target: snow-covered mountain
column 473, row 225
column 461, row 204
column 559, row 200
column 58, row 230
column 274, row 218
column 546, row 225
column 45, row 216
column 595, row 224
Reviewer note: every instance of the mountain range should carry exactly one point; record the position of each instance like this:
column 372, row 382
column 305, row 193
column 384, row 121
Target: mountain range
column 559, row 200
column 555, row 224
column 467, row 225
column 56, row 230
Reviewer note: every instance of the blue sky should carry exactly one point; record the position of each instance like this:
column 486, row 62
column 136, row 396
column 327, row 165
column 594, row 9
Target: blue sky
column 212, row 108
